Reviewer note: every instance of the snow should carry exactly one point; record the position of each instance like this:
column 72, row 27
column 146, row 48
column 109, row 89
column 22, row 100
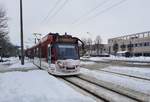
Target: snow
column 86, row 63
column 96, row 58
column 16, row 66
column 36, row 86
column 124, row 81
column 140, row 59
column 9, row 61
column 120, row 52
column 27, row 64
column 140, row 72
column 93, row 58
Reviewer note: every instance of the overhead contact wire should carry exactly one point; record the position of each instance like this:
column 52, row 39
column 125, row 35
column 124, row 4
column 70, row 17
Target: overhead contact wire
column 103, row 11
column 90, row 11
column 50, row 11
column 58, row 10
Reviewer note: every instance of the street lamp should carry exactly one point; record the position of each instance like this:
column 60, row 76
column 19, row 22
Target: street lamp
column 35, row 34
column 89, row 41
column 36, row 37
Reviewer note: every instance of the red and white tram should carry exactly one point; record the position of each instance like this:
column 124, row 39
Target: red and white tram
column 58, row 54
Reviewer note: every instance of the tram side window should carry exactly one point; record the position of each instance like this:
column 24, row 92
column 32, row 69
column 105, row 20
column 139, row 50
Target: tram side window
column 36, row 52
column 39, row 54
column 53, row 51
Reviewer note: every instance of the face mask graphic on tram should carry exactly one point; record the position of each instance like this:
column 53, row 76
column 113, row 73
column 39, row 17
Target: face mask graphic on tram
column 67, row 51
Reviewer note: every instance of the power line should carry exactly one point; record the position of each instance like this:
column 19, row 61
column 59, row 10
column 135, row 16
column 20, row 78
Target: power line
column 103, row 11
column 51, row 10
column 90, row 11
column 59, row 9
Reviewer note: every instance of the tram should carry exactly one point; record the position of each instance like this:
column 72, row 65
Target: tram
column 58, row 54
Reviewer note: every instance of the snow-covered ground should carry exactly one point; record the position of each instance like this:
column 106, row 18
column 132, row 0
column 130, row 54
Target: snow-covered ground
column 10, row 61
column 124, row 81
column 82, row 63
column 139, row 85
column 93, row 58
column 134, row 71
column 27, row 64
column 143, row 59
column 36, row 86
column 16, row 66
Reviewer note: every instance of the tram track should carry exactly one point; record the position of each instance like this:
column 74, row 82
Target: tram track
column 128, row 92
column 82, row 90
column 105, row 91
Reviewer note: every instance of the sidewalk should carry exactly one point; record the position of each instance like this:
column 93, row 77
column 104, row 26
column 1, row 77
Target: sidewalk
column 18, row 67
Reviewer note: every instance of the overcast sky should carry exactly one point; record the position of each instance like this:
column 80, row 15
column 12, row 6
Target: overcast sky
column 109, row 18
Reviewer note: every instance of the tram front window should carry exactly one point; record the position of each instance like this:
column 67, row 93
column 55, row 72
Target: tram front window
column 67, row 52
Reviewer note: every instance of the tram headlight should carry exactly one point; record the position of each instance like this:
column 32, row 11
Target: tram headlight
column 60, row 64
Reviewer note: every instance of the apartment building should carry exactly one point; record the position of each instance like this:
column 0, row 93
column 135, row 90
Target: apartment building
column 136, row 44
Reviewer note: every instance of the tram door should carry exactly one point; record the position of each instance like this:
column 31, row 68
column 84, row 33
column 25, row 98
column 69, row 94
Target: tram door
column 49, row 54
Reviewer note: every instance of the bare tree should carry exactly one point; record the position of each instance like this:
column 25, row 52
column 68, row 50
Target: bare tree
column 3, row 31
column 84, row 40
column 89, row 43
column 98, row 42
column 3, row 26
column 6, row 47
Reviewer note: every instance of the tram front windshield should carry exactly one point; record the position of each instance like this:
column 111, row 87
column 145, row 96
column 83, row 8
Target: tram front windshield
column 66, row 51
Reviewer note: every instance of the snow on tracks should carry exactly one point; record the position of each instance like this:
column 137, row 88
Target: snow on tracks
column 142, row 73
column 132, row 87
column 98, row 91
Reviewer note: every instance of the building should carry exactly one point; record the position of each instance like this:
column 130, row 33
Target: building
column 96, row 50
column 133, row 45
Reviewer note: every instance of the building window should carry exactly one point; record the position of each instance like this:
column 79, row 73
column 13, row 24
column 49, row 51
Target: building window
column 123, row 47
column 140, row 44
column 130, row 45
column 136, row 45
column 146, row 43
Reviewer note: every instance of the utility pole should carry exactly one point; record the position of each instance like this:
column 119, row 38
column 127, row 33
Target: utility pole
column 21, row 31
column 1, row 52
